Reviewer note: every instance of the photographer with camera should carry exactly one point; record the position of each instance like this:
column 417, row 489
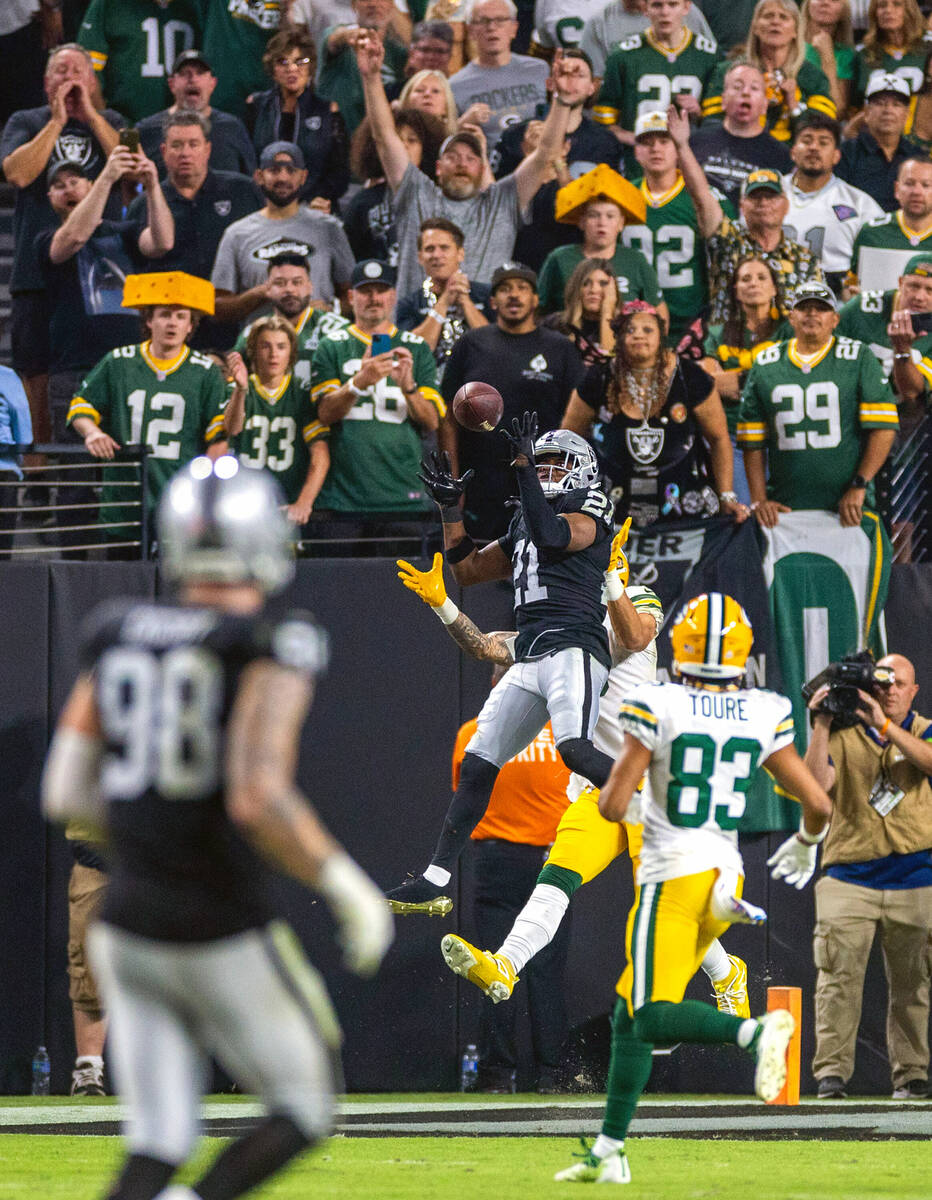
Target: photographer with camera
column 872, row 752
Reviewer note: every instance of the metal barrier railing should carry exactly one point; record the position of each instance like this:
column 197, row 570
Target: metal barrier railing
column 905, row 493
column 51, row 510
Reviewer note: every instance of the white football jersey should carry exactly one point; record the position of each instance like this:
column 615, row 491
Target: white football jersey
column 705, row 746
column 828, row 221
column 629, row 668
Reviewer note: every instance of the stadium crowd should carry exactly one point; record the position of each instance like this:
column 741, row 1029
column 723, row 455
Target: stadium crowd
column 434, row 194
column 698, row 235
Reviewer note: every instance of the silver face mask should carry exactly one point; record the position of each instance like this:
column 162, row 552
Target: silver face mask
column 571, row 454
column 221, row 522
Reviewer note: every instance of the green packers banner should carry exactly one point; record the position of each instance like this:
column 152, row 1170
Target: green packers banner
column 812, row 590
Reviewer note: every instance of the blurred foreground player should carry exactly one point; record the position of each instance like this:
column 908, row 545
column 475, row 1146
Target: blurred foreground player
column 556, row 549
column 700, row 742
column 180, row 741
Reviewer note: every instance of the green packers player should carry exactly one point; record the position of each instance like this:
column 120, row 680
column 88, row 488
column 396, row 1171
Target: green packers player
column 819, row 406
column 159, row 393
column 290, row 291
column 585, row 842
column 376, row 402
column 700, row 741
column 911, row 225
column 268, row 416
column 671, row 239
column 651, row 70
column 133, row 45
column 884, row 321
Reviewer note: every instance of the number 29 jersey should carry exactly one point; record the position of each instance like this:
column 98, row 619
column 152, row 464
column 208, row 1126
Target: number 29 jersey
column 706, row 746
column 165, row 680
column 558, row 594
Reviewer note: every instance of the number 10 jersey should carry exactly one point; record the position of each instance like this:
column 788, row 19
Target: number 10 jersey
column 558, row 593
column 706, row 746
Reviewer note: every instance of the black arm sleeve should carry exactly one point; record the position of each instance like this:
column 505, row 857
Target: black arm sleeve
column 548, row 530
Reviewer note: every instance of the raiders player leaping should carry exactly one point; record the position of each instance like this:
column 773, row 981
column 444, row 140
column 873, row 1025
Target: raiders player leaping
column 557, row 549
column 180, row 741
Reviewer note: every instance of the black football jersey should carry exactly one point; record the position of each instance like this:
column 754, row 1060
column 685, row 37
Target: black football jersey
column 558, row 594
column 165, row 680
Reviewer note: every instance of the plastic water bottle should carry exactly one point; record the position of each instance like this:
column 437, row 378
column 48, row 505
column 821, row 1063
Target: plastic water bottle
column 41, row 1070
column 470, row 1068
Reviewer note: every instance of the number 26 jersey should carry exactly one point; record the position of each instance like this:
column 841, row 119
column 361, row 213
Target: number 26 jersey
column 165, row 680
column 706, row 747
column 558, row 594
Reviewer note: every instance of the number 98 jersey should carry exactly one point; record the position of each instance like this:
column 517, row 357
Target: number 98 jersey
column 558, row 593
column 165, row 680
column 706, row 746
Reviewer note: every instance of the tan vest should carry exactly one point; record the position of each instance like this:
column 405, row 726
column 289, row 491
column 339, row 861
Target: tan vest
column 858, row 833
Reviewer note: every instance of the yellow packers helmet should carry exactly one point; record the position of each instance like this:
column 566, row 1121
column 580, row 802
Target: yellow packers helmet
column 711, row 638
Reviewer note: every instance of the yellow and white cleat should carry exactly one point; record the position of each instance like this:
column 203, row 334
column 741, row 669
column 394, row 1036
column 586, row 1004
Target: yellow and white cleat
column 613, row 1168
column 492, row 974
column 770, row 1048
column 731, row 993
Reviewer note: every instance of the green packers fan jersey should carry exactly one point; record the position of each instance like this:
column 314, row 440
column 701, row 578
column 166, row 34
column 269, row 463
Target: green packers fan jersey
column 810, row 418
column 641, row 76
column 812, row 91
column 866, row 318
column 907, row 64
column 235, row 34
column 312, row 325
column 174, row 408
column 375, row 451
column 671, row 243
column 889, row 232
column 278, row 429
column 133, row 44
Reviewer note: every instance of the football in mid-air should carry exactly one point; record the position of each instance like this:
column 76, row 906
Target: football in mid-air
column 478, row 406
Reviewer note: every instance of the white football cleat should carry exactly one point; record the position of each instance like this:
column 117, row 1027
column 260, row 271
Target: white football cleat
column 776, row 1029
column 613, row 1168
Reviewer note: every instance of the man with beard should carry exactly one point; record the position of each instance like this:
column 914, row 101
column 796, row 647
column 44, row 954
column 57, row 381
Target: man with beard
column 529, row 366
column 489, row 217
column 289, row 291
column 825, row 213
column 283, row 226
column 910, row 227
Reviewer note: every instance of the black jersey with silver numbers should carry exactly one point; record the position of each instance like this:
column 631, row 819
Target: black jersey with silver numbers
column 558, row 593
column 165, row 680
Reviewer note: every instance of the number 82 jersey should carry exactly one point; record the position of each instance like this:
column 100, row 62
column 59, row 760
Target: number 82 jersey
column 706, row 747
column 558, row 593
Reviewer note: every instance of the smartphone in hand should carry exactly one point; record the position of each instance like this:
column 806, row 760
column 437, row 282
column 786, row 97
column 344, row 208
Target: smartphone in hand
column 130, row 139
column 381, row 343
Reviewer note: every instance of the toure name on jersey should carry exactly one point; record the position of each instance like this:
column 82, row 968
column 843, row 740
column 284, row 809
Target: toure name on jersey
column 715, row 704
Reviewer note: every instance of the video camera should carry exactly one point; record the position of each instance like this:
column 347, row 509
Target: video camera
column 845, row 678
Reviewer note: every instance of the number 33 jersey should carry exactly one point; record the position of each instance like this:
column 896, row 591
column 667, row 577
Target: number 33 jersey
column 705, row 746
column 165, row 681
column 558, row 594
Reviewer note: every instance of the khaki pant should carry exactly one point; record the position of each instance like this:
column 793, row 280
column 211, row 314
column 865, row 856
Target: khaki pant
column 847, row 917
column 85, row 895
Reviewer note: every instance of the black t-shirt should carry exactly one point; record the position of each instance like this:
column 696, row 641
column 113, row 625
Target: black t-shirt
column 369, row 223
column 864, row 165
column 33, row 213
column 85, row 292
column 165, row 681
column 231, row 147
column 558, row 594
column 658, row 470
column 200, row 222
column 727, row 159
column 534, row 371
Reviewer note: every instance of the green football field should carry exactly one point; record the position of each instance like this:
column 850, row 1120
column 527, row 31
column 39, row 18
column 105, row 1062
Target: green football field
column 509, row 1168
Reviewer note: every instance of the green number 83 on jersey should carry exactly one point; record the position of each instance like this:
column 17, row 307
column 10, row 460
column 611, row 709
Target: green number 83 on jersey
column 696, row 761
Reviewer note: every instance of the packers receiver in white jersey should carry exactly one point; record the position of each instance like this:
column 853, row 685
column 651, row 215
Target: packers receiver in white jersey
column 585, row 842
column 700, row 742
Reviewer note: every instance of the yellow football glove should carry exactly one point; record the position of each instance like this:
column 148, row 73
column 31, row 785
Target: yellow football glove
column 618, row 560
column 428, row 585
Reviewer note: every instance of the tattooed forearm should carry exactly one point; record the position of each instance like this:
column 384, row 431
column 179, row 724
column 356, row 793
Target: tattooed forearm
column 487, row 647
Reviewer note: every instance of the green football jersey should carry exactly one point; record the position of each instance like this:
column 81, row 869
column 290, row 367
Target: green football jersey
column 672, row 244
column 812, row 91
column 375, row 451
column 889, row 232
column 278, row 429
column 234, row 40
column 312, row 325
column 642, row 77
column 811, row 418
column 174, row 408
column 866, row 318
column 908, row 64
column 739, row 358
column 133, row 44
column 637, row 279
